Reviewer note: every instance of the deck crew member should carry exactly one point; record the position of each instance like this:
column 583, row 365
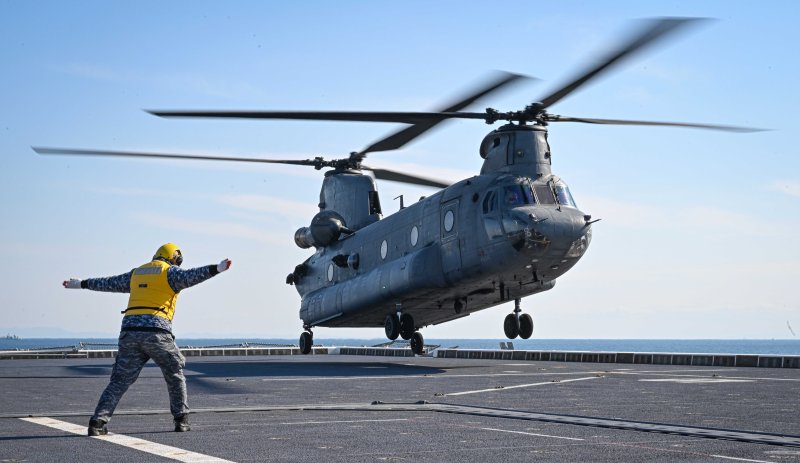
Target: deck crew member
column 147, row 329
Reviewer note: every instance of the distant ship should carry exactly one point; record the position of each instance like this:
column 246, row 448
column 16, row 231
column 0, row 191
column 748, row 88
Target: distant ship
column 11, row 336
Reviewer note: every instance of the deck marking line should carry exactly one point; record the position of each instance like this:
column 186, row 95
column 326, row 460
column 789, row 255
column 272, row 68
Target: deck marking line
column 142, row 445
column 345, row 421
column 530, row 434
column 671, row 374
column 430, row 376
column 504, row 388
column 695, row 380
column 741, row 459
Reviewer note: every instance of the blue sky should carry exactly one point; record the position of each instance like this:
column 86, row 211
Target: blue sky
column 697, row 237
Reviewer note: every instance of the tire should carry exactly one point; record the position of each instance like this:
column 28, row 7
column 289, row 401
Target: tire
column 417, row 343
column 406, row 326
column 525, row 326
column 392, row 326
column 306, row 341
column 511, row 326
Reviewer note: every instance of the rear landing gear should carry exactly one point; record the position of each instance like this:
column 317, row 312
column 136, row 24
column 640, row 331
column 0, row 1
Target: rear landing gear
column 306, row 341
column 402, row 324
column 407, row 326
column 392, row 326
column 518, row 324
column 417, row 343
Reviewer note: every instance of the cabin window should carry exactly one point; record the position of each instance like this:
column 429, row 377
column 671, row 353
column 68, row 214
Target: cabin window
column 449, row 221
column 414, row 235
column 493, row 228
column 563, row 195
column 512, row 225
column 545, row 194
column 489, row 202
column 384, row 249
column 330, row 272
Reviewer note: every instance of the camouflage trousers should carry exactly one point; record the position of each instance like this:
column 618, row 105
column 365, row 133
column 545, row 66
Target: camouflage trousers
column 135, row 349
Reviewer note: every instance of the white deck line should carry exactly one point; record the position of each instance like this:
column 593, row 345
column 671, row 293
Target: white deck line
column 504, row 388
column 135, row 443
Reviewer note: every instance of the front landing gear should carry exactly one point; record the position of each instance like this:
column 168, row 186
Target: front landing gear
column 518, row 324
column 306, row 341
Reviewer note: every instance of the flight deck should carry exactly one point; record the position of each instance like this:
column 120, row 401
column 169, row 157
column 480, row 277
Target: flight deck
column 505, row 406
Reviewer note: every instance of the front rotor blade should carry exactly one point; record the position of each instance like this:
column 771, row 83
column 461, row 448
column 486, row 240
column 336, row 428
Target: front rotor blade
column 657, row 30
column 402, row 137
column 385, row 174
column 135, row 154
column 588, row 120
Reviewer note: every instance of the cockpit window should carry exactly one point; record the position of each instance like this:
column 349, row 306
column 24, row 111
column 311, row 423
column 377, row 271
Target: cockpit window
column 545, row 194
column 517, row 195
column 563, row 195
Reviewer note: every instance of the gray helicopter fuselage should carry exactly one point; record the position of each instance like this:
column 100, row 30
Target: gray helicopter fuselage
column 499, row 236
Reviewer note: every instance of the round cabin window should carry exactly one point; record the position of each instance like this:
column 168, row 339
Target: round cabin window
column 330, row 272
column 414, row 235
column 384, row 249
column 449, row 221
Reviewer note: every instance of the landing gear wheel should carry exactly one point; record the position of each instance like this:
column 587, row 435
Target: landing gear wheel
column 417, row 343
column 306, row 341
column 511, row 326
column 525, row 326
column 406, row 326
column 392, row 326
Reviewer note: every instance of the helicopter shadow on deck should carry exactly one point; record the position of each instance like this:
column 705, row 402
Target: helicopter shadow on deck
column 220, row 377
column 241, row 369
column 249, row 368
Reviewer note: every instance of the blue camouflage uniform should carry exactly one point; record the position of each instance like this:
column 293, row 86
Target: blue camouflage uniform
column 145, row 337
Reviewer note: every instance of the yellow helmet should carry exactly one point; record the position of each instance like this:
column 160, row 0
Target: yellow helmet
column 171, row 253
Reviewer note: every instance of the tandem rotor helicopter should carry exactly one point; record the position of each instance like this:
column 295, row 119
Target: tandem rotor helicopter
column 504, row 234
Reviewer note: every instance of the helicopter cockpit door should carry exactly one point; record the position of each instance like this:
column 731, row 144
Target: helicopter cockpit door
column 451, row 251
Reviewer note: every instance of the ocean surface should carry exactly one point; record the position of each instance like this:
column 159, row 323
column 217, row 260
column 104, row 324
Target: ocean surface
column 704, row 346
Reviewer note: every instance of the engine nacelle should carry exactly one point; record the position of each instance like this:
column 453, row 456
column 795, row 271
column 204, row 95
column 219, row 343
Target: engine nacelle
column 326, row 228
column 303, row 239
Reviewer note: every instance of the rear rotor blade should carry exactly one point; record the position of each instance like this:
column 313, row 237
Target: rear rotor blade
column 655, row 31
column 394, row 176
column 588, row 120
column 136, row 154
column 404, row 117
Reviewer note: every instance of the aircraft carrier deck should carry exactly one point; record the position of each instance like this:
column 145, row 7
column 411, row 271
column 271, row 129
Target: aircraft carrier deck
column 381, row 405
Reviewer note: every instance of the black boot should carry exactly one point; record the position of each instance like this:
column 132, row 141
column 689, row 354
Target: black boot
column 97, row 428
column 182, row 424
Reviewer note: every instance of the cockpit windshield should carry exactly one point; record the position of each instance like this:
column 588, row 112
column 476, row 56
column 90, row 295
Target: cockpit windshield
column 518, row 195
column 563, row 195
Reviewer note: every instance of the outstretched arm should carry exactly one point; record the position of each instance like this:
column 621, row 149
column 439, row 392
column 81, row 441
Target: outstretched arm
column 180, row 279
column 116, row 284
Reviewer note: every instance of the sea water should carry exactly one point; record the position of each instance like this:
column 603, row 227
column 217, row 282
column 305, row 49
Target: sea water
column 704, row 346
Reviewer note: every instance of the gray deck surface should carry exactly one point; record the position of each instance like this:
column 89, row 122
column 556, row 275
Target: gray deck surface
column 323, row 409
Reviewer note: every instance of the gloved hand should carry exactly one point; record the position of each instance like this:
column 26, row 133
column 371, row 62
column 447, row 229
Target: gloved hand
column 72, row 283
column 224, row 265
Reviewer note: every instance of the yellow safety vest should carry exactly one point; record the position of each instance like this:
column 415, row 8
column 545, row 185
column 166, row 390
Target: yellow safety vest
column 150, row 291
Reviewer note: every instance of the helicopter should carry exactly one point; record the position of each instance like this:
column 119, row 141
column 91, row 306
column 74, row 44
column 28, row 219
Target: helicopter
column 507, row 233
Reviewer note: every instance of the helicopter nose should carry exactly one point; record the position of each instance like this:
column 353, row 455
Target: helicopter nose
column 578, row 232
column 567, row 230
